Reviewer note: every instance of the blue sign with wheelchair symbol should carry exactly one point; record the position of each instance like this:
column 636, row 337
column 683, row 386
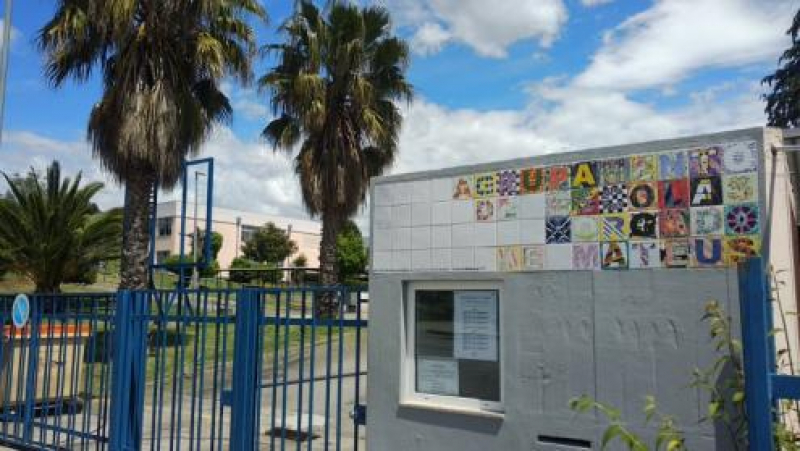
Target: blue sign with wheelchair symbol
column 20, row 311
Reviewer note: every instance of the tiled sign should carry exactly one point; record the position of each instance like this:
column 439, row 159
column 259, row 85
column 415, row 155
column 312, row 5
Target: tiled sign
column 689, row 208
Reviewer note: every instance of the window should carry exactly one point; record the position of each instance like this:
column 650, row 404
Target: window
column 248, row 232
column 452, row 346
column 164, row 226
column 161, row 256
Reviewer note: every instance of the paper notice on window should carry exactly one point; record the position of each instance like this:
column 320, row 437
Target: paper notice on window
column 437, row 376
column 475, row 325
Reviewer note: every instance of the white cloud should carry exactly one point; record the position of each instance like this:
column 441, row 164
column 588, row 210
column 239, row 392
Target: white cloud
column 15, row 33
column 669, row 41
column 591, row 3
column 488, row 28
column 246, row 102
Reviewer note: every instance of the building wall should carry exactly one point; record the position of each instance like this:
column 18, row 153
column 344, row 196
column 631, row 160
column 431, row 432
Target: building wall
column 614, row 335
column 229, row 223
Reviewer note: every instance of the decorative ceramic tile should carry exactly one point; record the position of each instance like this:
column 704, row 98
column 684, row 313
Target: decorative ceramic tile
column 614, row 255
column 421, row 191
column 441, row 259
column 532, row 206
column 584, row 228
column 674, row 223
column 485, row 185
column 707, row 251
column 532, row 231
column 614, row 227
column 382, row 217
column 613, row 171
column 675, row 253
column 485, row 234
column 559, row 203
column 421, row 260
column 643, row 168
column 585, row 201
column 507, row 208
column 558, row 178
column 673, row 166
column 533, row 257
column 508, row 183
column 420, row 238
column 558, row 230
column 383, row 240
column 740, row 248
column 533, row 181
column 558, row 257
column 644, row 224
column 508, row 233
column 463, row 257
column 441, row 236
column 420, row 214
column 642, row 196
column 614, row 198
column 484, row 210
column 740, row 157
column 462, row 211
column 644, row 255
column 401, row 260
column 707, row 221
column 586, row 256
column 585, row 175
column 442, row 189
column 463, row 235
column 401, row 239
column 462, row 187
column 705, row 191
column 705, row 162
column 742, row 219
column 441, row 213
column 381, row 261
column 485, row 259
column 401, row 216
column 673, row 194
column 509, row 258
column 740, row 188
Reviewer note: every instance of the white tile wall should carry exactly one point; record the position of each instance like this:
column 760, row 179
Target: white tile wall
column 531, row 206
column 383, row 240
column 486, row 258
column 401, row 260
column 485, row 234
column 441, row 189
column 421, row 259
column 382, row 217
column 381, row 261
column 402, row 193
column 440, row 259
column 440, row 213
column 463, row 257
column 463, row 235
column 421, row 191
column 401, row 216
column 558, row 256
column 462, row 211
column 532, row 231
column 508, row 233
column 401, row 239
column 441, row 236
column 420, row 238
column 420, row 214
column 384, row 195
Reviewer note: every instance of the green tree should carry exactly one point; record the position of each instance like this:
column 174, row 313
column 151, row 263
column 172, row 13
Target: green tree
column 351, row 255
column 783, row 100
column 161, row 62
column 301, row 261
column 333, row 92
column 49, row 232
column 269, row 244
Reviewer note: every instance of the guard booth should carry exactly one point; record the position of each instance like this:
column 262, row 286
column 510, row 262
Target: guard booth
column 503, row 290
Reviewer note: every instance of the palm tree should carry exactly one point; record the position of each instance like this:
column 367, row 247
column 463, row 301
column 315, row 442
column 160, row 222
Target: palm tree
column 161, row 62
column 333, row 92
column 49, row 230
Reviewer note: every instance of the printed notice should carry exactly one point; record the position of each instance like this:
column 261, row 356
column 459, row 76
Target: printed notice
column 437, row 376
column 475, row 325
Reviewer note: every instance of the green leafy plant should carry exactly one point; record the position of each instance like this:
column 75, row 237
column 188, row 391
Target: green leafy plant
column 269, row 244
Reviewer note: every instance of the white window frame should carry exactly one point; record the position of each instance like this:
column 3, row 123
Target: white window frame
column 409, row 397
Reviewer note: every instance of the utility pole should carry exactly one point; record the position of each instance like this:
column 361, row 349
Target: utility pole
column 4, row 63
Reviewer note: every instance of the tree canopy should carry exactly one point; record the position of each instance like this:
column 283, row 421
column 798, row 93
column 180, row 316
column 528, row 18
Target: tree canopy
column 783, row 101
column 269, row 244
column 351, row 253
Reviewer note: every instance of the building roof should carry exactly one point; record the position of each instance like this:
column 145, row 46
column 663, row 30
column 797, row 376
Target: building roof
column 248, row 218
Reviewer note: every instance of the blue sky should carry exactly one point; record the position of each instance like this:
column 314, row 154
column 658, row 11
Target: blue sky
column 511, row 79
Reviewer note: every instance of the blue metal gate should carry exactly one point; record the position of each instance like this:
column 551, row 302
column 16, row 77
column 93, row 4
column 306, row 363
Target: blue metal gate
column 175, row 370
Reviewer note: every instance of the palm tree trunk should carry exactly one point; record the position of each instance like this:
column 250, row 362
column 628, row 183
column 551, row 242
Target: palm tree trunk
column 329, row 269
column 134, row 273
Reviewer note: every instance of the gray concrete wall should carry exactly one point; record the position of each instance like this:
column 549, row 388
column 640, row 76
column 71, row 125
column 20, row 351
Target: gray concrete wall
column 615, row 335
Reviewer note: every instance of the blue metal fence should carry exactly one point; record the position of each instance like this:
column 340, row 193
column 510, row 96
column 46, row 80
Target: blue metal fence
column 175, row 370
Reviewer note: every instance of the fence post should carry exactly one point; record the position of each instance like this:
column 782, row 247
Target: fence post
column 244, row 406
column 755, row 317
column 128, row 372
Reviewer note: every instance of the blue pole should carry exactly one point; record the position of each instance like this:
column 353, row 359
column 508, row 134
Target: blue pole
column 754, row 309
column 245, row 373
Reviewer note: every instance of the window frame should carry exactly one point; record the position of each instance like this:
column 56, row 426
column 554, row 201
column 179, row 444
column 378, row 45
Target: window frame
column 409, row 397
column 165, row 223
